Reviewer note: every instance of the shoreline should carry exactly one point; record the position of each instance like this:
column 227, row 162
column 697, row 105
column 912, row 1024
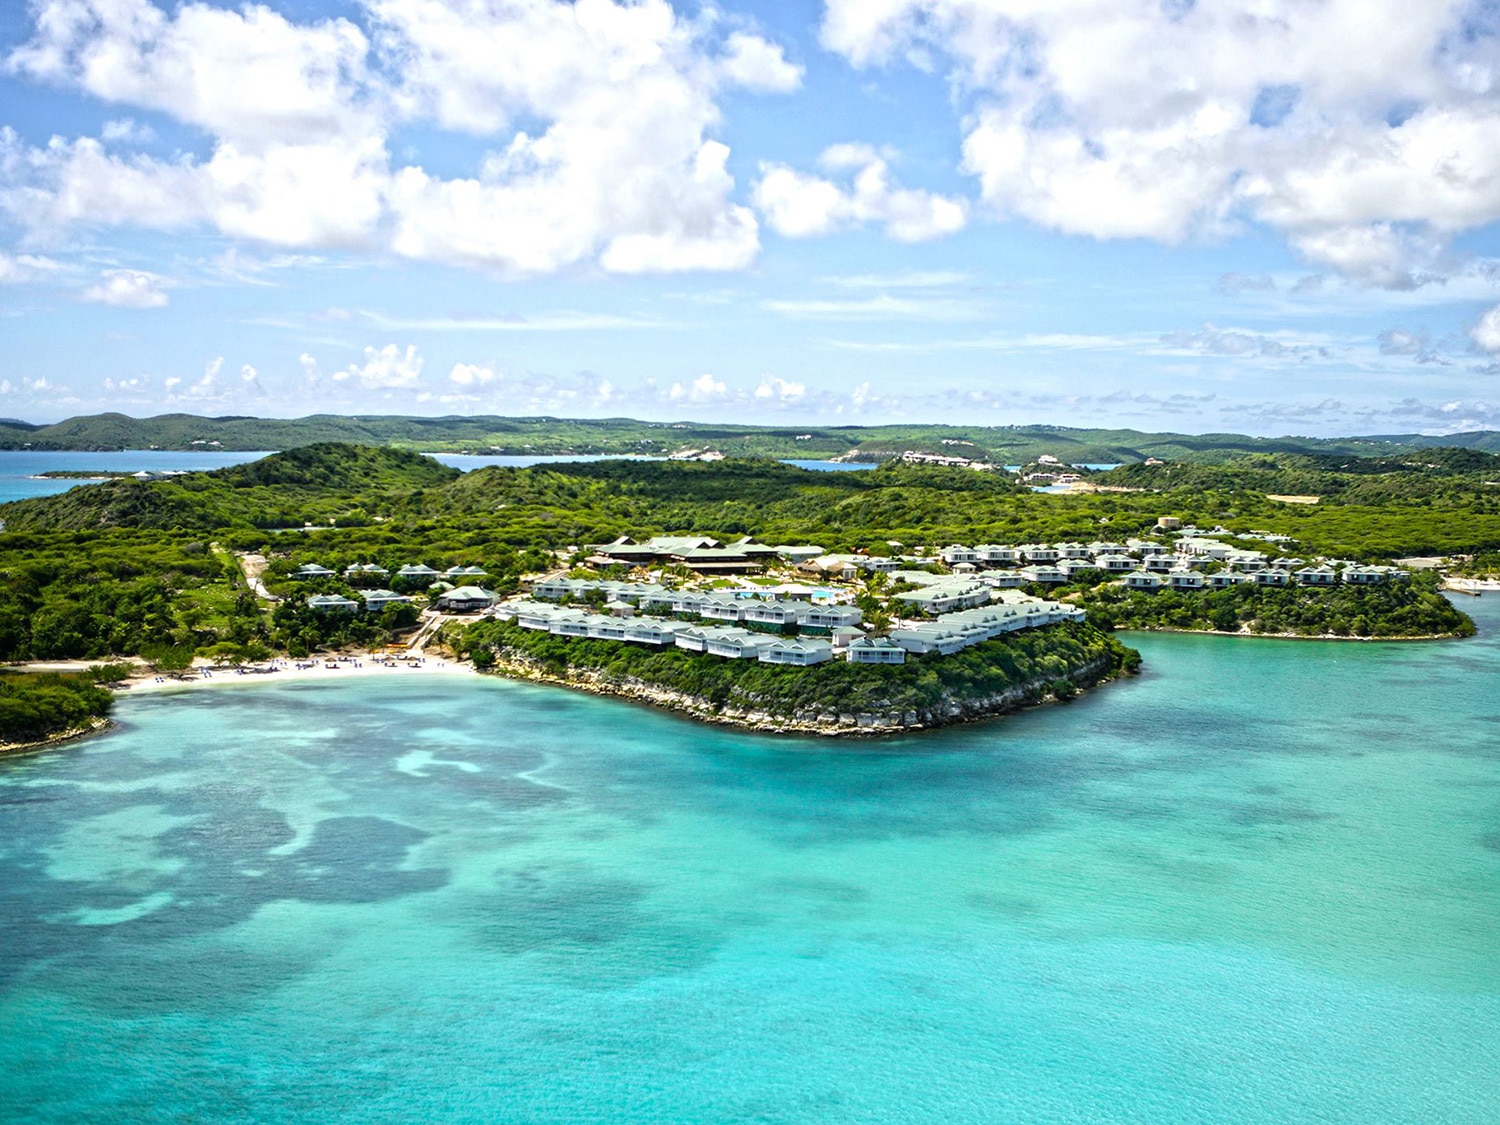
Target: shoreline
column 287, row 671
column 75, row 734
column 1291, row 636
column 861, row 725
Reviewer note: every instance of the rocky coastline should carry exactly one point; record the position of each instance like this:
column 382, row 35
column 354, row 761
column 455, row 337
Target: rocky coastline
column 73, row 734
column 864, row 724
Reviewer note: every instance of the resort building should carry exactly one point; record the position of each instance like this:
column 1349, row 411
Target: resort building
column 331, row 603
column 832, row 617
column 701, row 553
column 799, row 652
column 1112, row 563
column 377, row 600
column 956, row 554
column 1144, row 580
column 1194, row 546
column 466, row 599
column 1048, row 575
column 1003, row 579
column 946, row 596
column 418, row 571
column 1369, row 575
column 998, row 556
column 366, row 570
column 794, row 554
column 465, row 572
column 875, row 650
column 1186, row 580
column 1224, row 579
column 1274, row 577
column 1317, row 576
column 311, row 570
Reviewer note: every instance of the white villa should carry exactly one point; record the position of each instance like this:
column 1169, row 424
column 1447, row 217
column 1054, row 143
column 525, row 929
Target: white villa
column 466, row 599
column 876, row 650
column 331, row 603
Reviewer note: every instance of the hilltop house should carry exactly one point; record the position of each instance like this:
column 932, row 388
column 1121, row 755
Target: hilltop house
column 331, row 603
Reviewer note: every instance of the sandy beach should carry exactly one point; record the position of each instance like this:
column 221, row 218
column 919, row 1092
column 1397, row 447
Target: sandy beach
column 285, row 671
column 280, row 670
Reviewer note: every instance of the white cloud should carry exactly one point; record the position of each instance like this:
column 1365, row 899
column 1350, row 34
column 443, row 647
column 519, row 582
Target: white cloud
column 386, row 368
column 125, row 130
column 309, row 365
column 207, row 387
column 756, row 64
column 603, row 111
column 916, row 279
column 561, row 321
column 24, row 268
column 705, row 388
column 1487, row 332
column 128, row 289
column 883, row 307
column 799, row 205
column 775, row 389
column 471, row 375
column 1367, row 131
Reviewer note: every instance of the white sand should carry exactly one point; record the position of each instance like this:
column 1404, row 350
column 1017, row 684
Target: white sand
column 302, row 671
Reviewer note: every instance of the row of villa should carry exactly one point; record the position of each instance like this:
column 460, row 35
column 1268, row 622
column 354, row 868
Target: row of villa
column 463, row 599
column 951, row 633
column 626, row 598
column 1184, row 578
column 372, row 570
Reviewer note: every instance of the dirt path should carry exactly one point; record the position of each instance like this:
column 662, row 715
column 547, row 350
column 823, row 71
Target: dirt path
column 253, row 567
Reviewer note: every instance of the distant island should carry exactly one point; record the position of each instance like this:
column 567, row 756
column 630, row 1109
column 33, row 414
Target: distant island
column 542, row 436
column 732, row 574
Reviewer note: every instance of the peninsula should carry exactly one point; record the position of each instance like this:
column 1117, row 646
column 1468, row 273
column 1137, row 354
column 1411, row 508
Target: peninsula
column 742, row 591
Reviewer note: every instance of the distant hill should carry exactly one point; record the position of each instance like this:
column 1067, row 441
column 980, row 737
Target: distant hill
column 327, row 481
column 545, row 435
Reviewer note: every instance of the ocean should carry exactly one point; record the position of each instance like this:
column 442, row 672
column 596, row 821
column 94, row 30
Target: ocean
column 1259, row 883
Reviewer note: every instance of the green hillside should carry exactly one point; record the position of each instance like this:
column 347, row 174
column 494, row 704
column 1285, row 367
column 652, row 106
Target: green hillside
column 543, row 435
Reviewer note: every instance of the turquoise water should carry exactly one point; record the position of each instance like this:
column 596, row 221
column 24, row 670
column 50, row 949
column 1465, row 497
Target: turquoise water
column 19, row 468
column 1260, row 883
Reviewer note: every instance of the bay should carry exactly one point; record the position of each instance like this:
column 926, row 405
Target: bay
column 1259, row 883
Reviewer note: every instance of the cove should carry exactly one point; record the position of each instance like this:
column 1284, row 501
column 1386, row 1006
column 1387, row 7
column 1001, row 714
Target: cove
column 1259, row 883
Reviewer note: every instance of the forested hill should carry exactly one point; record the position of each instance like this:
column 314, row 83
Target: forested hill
column 372, row 499
column 1410, row 477
column 544, row 435
column 283, row 490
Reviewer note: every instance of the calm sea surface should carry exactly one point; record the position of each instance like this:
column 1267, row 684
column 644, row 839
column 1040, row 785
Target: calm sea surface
column 1260, row 883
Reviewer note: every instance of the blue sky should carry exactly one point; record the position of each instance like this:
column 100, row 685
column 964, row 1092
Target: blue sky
column 1268, row 216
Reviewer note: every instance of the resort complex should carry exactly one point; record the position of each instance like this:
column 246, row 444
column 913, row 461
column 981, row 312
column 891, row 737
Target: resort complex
column 745, row 600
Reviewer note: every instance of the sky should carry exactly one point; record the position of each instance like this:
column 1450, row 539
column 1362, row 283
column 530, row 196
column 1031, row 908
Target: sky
column 1260, row 216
